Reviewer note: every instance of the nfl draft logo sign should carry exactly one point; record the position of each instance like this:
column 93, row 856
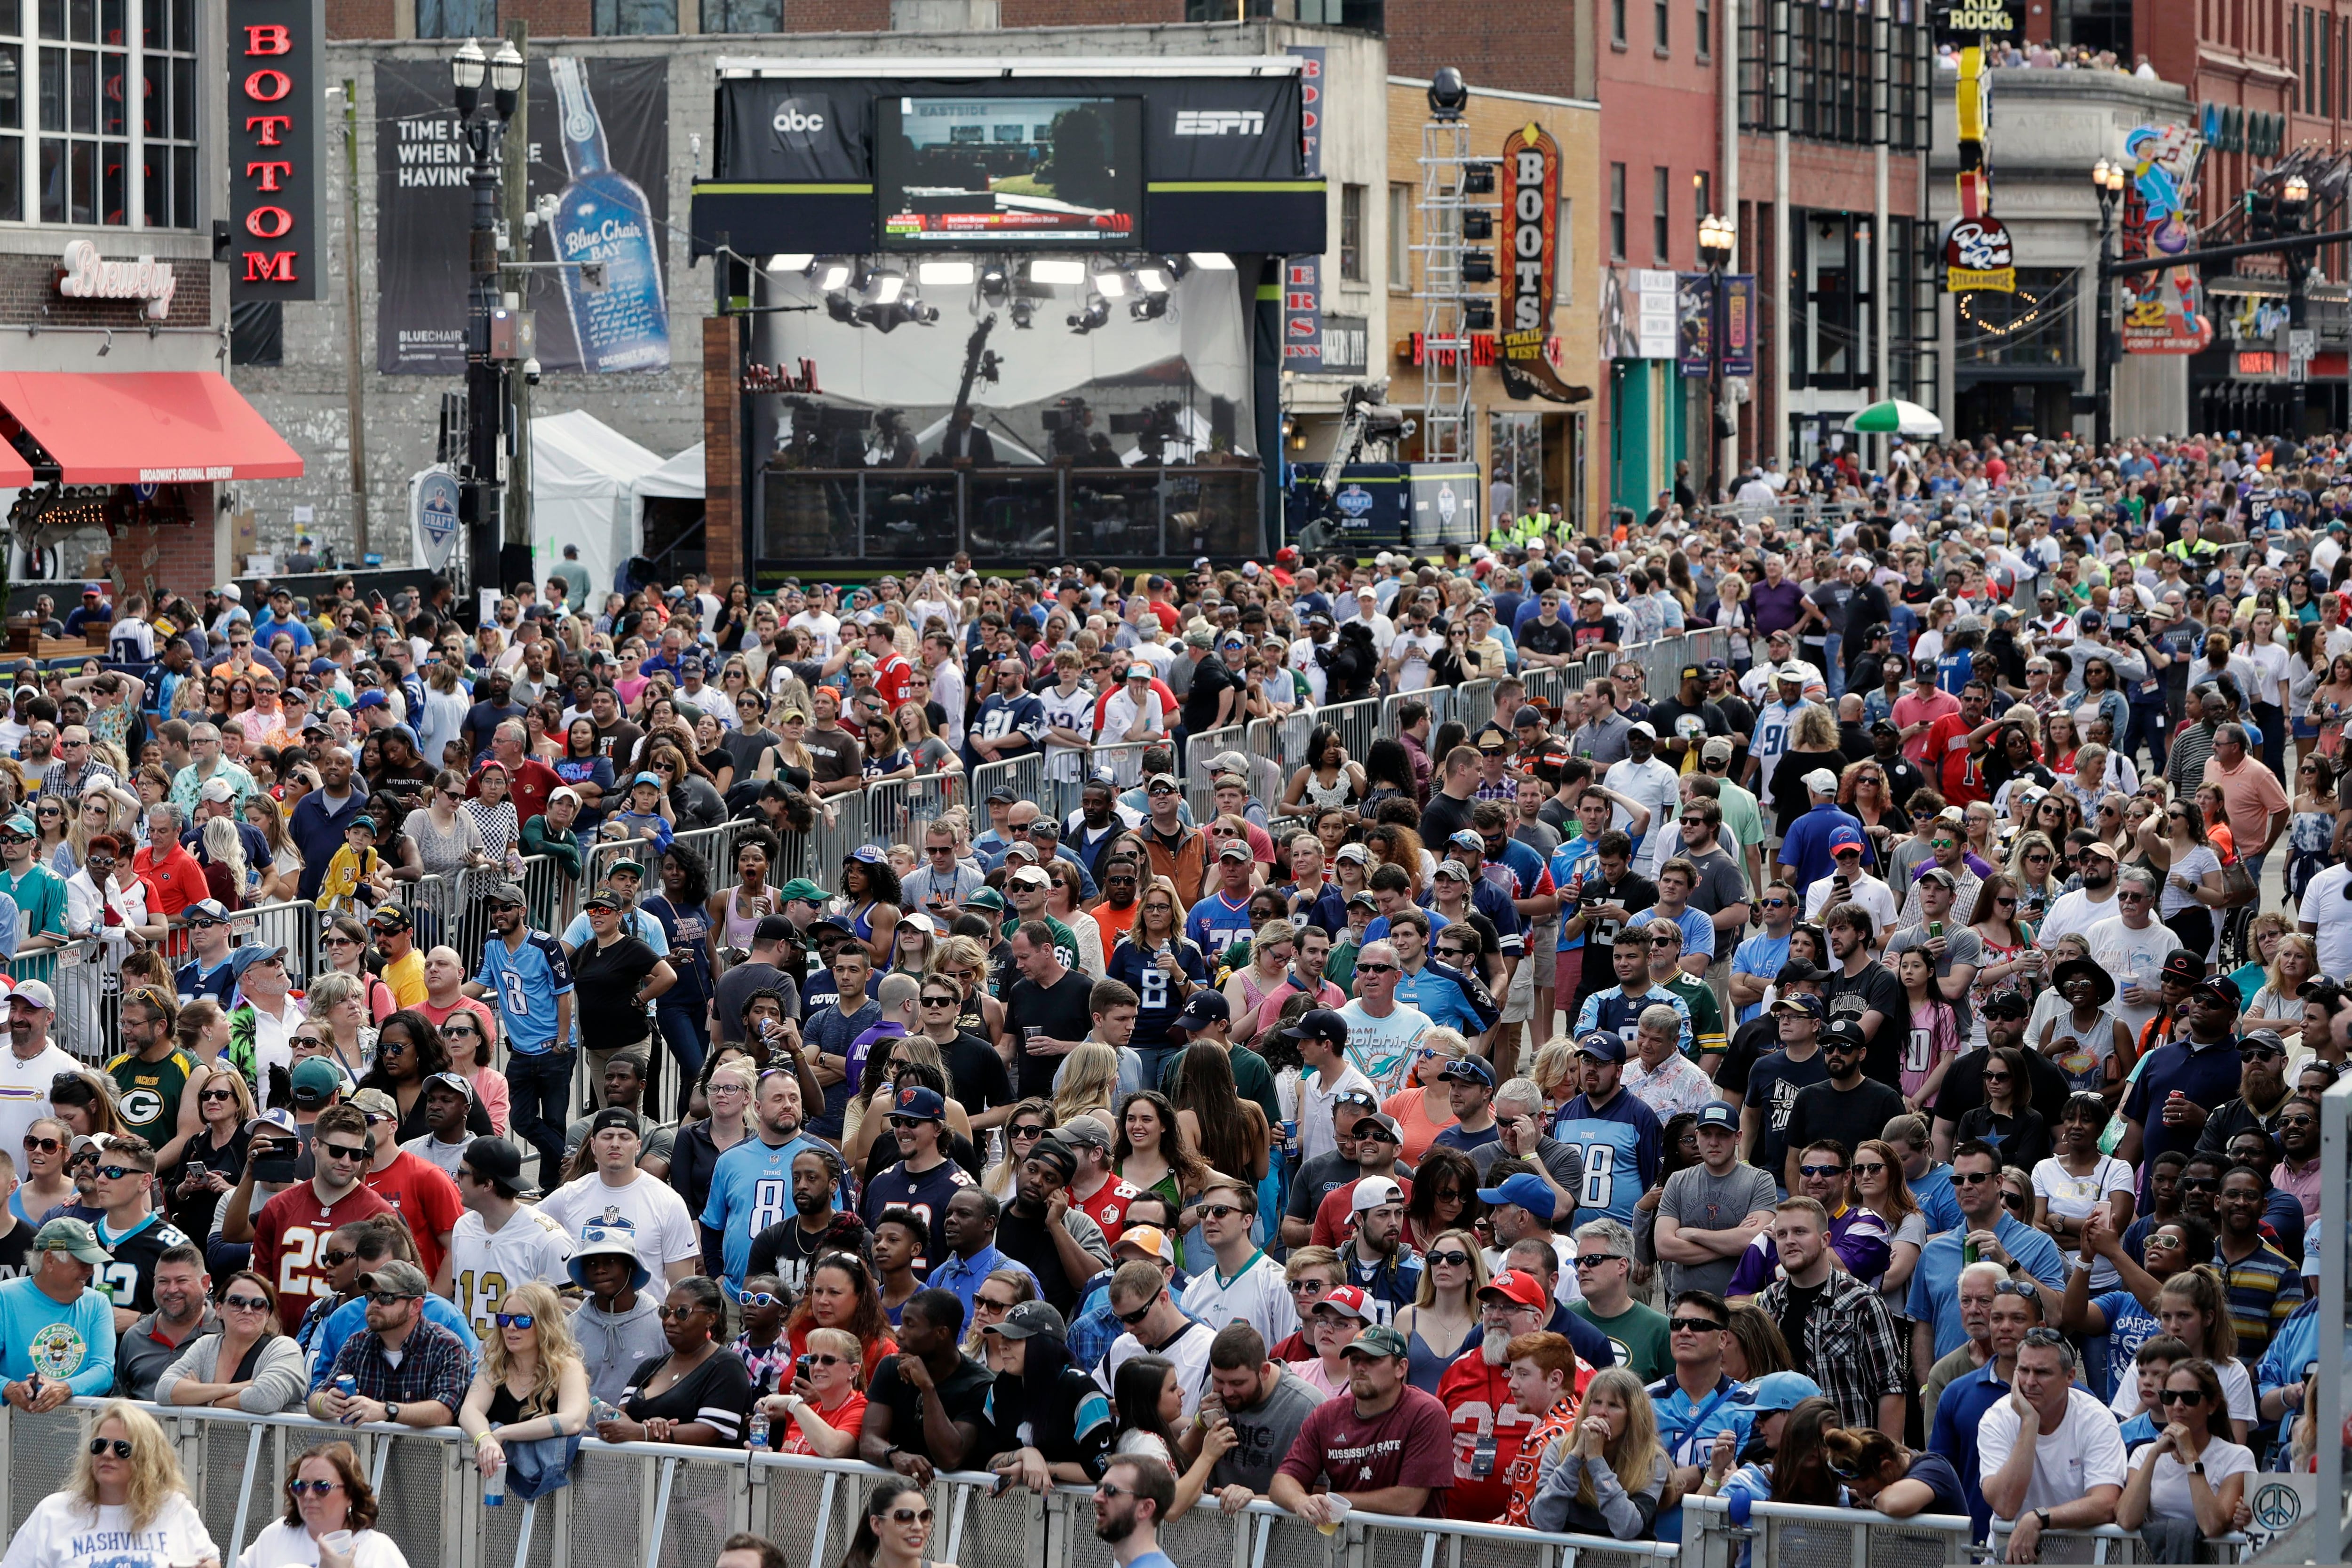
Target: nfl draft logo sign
column 1531, row 188
column 434, row 513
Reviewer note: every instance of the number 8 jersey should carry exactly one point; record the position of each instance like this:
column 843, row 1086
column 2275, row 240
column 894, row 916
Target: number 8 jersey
column 1622, row 1147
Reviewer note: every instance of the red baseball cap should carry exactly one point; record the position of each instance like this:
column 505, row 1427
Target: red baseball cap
column 1348, row 1300
column 1512, row 1285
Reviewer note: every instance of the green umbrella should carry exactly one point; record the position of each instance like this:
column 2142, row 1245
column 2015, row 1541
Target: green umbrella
column 1896, row 418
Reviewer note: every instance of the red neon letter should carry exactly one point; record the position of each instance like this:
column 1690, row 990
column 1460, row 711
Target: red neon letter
column 269, row 125
column 267, row 86
column 269, row 174
column 269, row 38
column 269, row 223
column 270, row 267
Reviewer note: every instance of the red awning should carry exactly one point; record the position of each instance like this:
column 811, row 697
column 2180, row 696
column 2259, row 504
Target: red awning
column 145, row 428
column 15, row 472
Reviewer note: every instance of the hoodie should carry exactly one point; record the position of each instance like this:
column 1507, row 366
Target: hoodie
column 612, row 1343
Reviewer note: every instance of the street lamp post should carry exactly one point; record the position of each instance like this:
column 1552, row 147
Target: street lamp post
column 481, row 498
column 2295, row 207
column 1718, row 238
column 2107, row 182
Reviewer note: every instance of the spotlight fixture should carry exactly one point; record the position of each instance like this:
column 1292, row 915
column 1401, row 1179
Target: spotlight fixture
column 1478, row 178
column 1477, row 267
column 780, row 265
column 1152, row 280
column 1112, row 285
column 1148, row 307
column 1056, row 269
column 1212, row 261
column 1478, row 316
column 1448, row 94
column 1024, row 313
column 837, row 305
column 887, row 288
column 945, row 274
column 1176, row 266
column 1478, row 226
column 835, row 275
column 995, row 284
column 1096, row 314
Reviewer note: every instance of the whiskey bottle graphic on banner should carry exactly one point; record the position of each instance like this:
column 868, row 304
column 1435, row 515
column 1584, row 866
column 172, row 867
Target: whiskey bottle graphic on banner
column 604, row 218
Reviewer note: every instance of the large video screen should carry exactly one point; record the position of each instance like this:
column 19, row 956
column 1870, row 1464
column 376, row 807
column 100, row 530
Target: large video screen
column 1053, row 172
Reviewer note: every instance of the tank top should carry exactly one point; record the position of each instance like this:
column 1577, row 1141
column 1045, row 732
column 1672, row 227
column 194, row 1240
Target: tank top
column 506, row 1408
column 1322, row 797
column 1422, row 1366
column 861, row 924
column 2086, row 1066
column 739, row 927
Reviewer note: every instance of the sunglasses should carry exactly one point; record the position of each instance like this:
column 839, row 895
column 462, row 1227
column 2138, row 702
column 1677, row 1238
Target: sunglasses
column 116, row 1173
column 39, row 1145
column 1307, row 1287
column 1970, row 1178
column 1595, row 1259
column 1026, row 1132
column 678, row 1312
column 315, row 1488
column 514, row 1320
column 387, row 1298
column 101, row 1445
column 2200, row 1184
column 1376, row 969
column 2181, row 1396
column 246, row 1303
column 335, row 1257
column 1819, row 1171
column 1694, row 1326
column 352, row 1152
column 1137, row 1316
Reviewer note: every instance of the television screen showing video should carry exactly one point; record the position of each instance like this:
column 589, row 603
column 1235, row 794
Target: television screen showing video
column 1053, row 172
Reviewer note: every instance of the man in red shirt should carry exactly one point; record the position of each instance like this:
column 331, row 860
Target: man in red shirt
column 530, row 781
column 891, row 670
column 1384, row 1447
column 1094, row 1190
column 1920, row 708
column 445, row 992
column 290, row 1232
column 419, row 1190
column 1956, row 746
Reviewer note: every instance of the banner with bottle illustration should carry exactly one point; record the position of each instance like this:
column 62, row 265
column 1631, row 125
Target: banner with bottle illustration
column 599, row 147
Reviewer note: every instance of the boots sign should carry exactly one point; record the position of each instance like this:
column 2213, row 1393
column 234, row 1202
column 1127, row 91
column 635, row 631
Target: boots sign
column 1528, row 185
column 277, row 145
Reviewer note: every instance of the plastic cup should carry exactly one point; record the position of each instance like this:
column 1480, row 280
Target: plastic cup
column 336, row 1541
column 1338, row 1506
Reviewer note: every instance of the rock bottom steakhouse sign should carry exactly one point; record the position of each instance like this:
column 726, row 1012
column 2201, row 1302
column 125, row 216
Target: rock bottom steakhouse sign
column 1977, row 256
column 1531, row 193
column 277, row 133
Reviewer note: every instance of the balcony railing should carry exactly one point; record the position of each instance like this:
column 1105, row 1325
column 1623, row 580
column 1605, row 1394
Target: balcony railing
column 927, row 514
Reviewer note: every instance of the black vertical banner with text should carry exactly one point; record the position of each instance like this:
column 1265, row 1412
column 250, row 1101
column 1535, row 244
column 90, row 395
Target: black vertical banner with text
column 424, row 210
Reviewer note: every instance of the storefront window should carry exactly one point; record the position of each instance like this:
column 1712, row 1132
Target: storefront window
column 73, row 154
column 635, row 18
column 2034, row 326
column 1514, row 448
column 742, row 16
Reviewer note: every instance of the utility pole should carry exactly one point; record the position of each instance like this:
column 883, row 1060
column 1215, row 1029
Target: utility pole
column 480, row 504
column 355, row 334
column 515, row 284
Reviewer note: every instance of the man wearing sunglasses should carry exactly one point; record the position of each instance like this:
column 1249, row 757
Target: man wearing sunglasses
column 2029, row 1255
column 129, row 1227
column 410, row 1372
column 1244, row 1286
column 291, row 1231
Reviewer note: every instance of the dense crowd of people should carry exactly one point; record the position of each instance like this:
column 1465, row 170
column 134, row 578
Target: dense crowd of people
column 1864, row 1069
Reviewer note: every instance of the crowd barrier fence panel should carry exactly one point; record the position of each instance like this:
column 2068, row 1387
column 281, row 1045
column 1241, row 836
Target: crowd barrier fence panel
column 2107, row 1543
column 1792, row 1535
column 1359, row 724
column 641, row 1505
column 1123, row 759
column 1199, row 788
column 1024, row 775
column 1276, row 748
column 1474, row 704
column 895, row 812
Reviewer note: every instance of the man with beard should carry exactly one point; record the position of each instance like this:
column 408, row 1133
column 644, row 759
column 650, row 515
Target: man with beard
column 1487, row 1423
column 1638, row 777
column 1686, row 720
column 924, row 1180
column 1261, row 1404
column 2077, row 913
column 2265, row 1286
column 835, row 755
column 495, row 706
column 1136, row 1494
column 1044, row 1231
column 787, row 1249
column 616, row 738
column 751, row 1185
column 1094, row 825
column 2297, row 1172
column 1865, row 990
column 2005, row 1014
column 2169, row 1103
column 1838, row 1329
column 1387, row 1448
column 1903, row 778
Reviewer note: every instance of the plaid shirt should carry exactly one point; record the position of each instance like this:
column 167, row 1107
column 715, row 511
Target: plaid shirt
column 1851, row 1345
column 433, row 1365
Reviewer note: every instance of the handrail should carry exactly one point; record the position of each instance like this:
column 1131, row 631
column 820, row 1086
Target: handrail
column 2230, row 1548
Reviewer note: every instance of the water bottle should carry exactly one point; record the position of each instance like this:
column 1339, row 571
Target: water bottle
column 494, row 1486
column 599, row 1411
column 755, row 1433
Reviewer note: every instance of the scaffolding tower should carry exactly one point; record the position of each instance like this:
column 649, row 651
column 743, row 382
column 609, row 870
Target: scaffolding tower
column 1446, row 166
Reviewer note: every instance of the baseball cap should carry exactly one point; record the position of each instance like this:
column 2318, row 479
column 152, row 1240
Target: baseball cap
column 217, row 792
column 1083, row 1130
column 210, row 908
column 74, row 1236
column 315, row 1080
column 1719, row 1113
column 451, row 1081
column 1027, row 1321
column 370, row 699
column 800, row 889
column 2212, row 985
column 1608, row 1047
column 1938, row 875
column 2006, row 1005
column 1451, row 868
column 505, row 893
column 1844, row 838
column 1372, row 1192
column 1382, row 1126
column 2184, row 967
column 1003, row 795
column 1318, row 1024
column 1377, row 1340
column 1152, row 1241
column 1845, row 1033
column 1203, row 1008
column 36, row 993
column 1782, row 1391
column 1348, row 1301
column 1821, row 780
column 1528, row 713
column 389, row 915
column 1467, row 1069
column 2101, row 847
column 612, row 1117
column 374, row 1102
column 920, row 1104
column 1515, row 1284
column 1800, row 1007
column 1694, row 672
column 396, row 1278
column 1642, row 728
column 493, row 1159
column 1525, row 1190
column 244, row 958
column 1235, row 849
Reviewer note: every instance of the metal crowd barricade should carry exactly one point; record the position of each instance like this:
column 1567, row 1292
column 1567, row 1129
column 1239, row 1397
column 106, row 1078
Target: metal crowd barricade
column 1474, row 704
column 897, row 810
column 1199, row 793
column 1123, row 759
column 1780, row 1532
column 1276, row 747
column 2108, row 1544
column 1709, row 642
column 1024, row 775
column 838, row 827
column 1359, row 724
column 640, row 1505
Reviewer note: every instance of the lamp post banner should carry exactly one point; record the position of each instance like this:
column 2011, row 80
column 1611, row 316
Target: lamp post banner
column 1737, row 325
column 601, row 149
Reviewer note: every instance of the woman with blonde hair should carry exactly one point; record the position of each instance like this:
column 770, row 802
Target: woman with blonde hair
column 1444, row 1308
column 1031, row 1121
column 1246, row 989
column 962, row 960
column 1875, row 1174
column 825, row 1426
column 125, row 1486
column 103, row 809
column 2278, row 1004
column 327, row 1492
column 532, row 1382
column 284, row 872
column 860, row 1126
column 1420, row 1109
column 211, row 1159
column 48, row 1144
column 1089, row 1086
column 1614, row 1473
column 1813, row 743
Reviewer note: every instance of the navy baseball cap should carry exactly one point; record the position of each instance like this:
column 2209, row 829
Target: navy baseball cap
column 1719, row 1113
column 1605, row 1046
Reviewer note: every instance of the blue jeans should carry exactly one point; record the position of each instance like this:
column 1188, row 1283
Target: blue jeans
column 539, row 1085
column 1155, row 1061
column 682, row 1026
column 2148, row 727
column 1834, row 665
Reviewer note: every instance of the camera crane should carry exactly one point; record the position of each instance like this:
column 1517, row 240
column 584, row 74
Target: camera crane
column 1367, row 419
